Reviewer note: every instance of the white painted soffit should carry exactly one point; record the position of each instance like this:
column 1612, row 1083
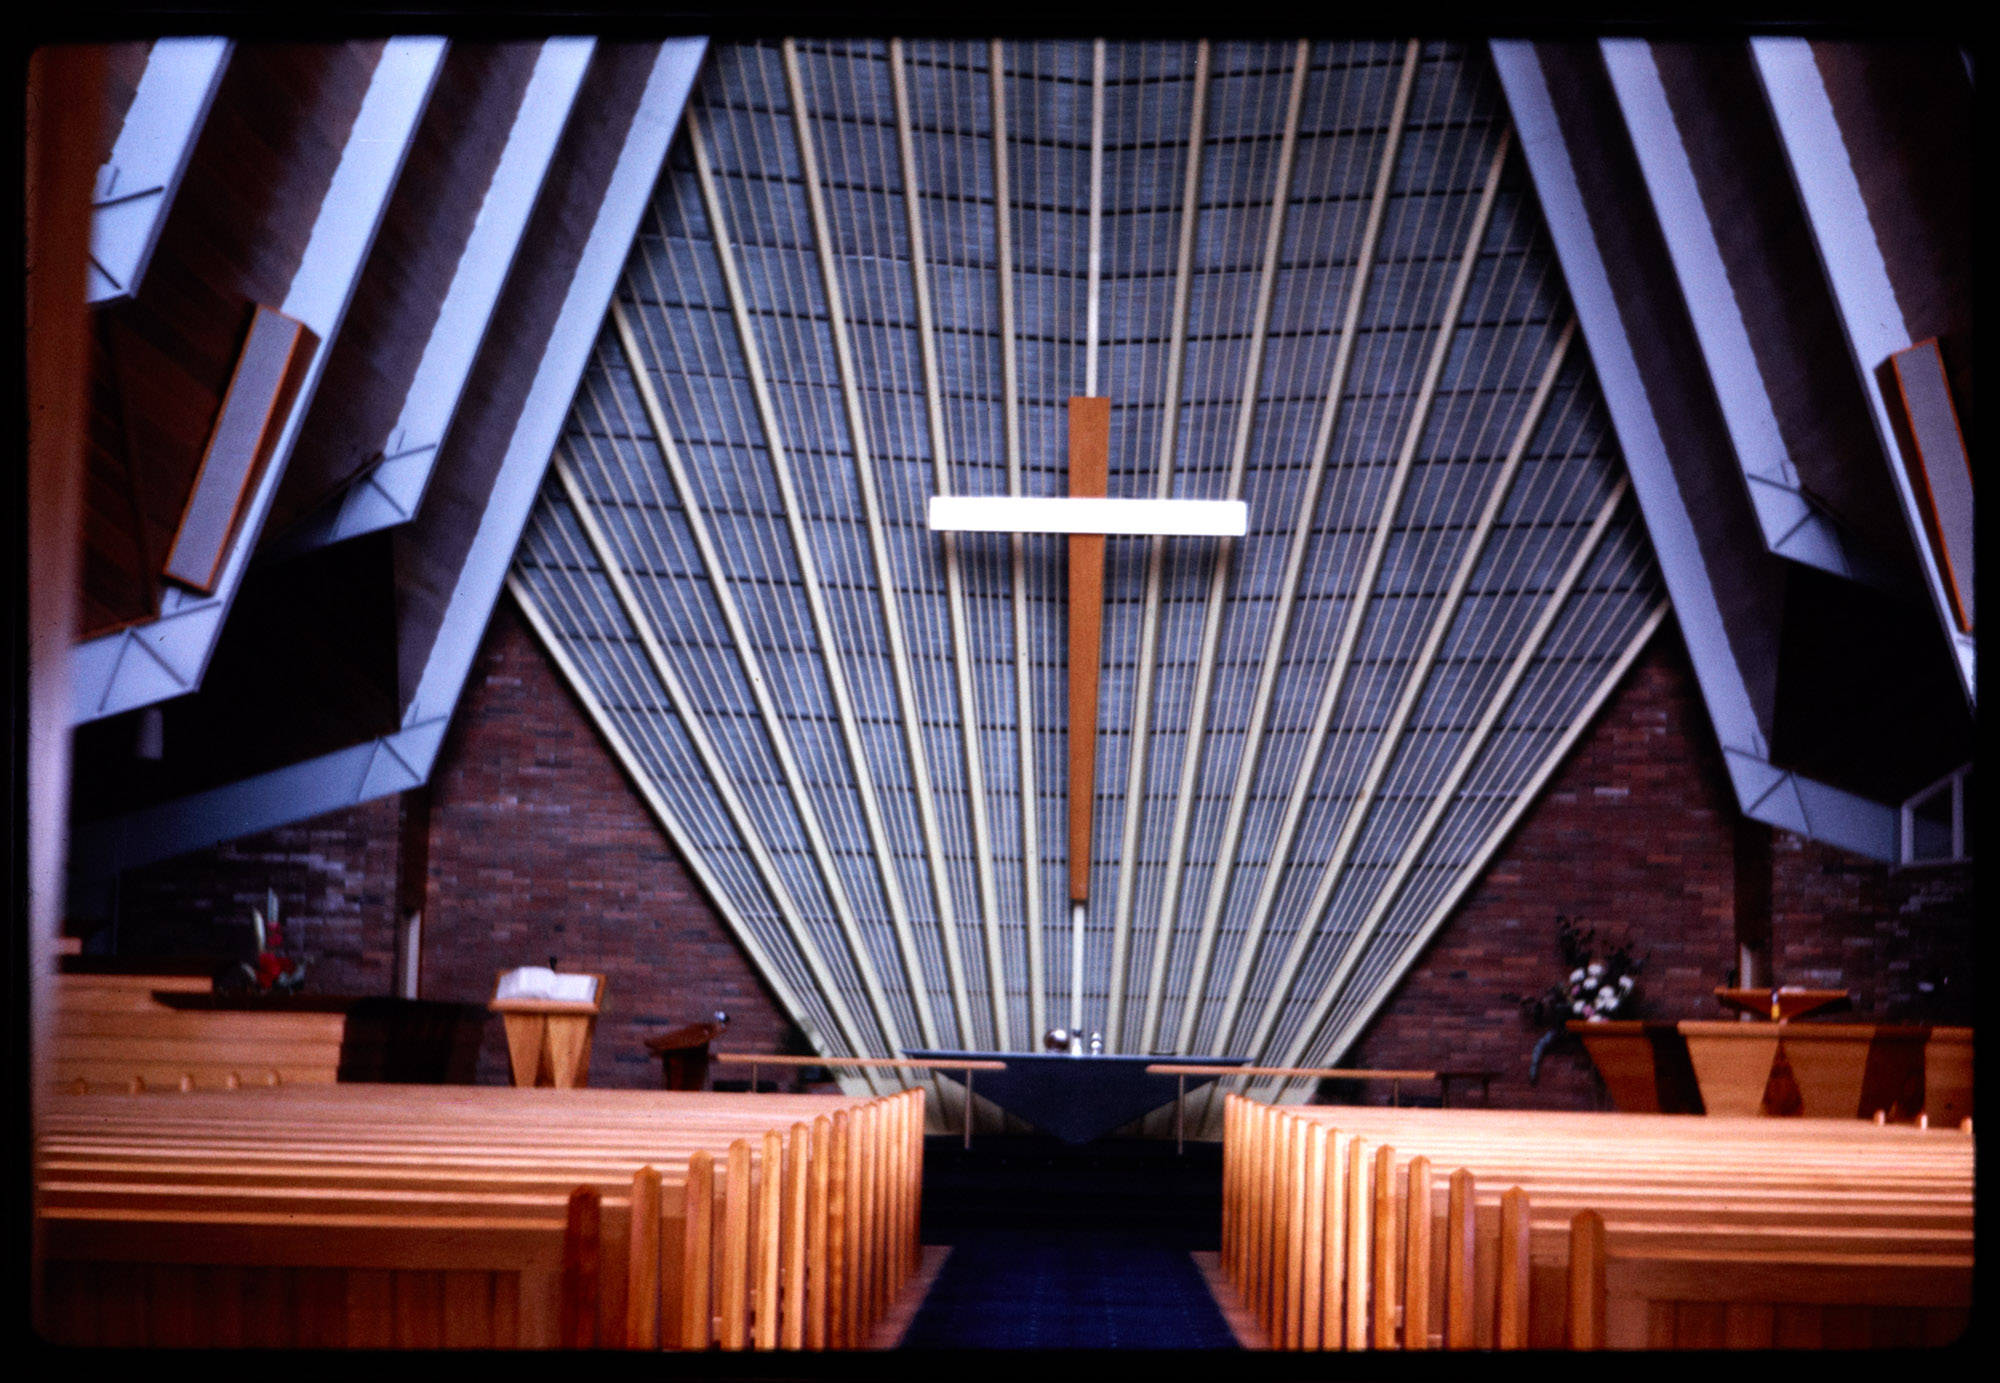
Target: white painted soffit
column 168, row 655
column 136, row 185
column 401, row 760
column 1763, row 790
column 1849, row 253
column 389, row 492
column 1794, row 527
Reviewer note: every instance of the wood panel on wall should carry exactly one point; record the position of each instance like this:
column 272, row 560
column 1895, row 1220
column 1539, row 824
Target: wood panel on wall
column 234, row 238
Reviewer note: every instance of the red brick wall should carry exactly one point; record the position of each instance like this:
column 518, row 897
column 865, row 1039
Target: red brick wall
column 540, row 846
column 336, row 882
column 1634, row 836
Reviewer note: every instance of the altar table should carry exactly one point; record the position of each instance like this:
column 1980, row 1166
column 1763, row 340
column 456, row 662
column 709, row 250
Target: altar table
column 1078, row 1098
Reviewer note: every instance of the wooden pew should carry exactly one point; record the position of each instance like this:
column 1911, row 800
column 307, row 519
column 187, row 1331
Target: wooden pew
column 1841, row 1233
column 110, row 1032
column 392, row 1215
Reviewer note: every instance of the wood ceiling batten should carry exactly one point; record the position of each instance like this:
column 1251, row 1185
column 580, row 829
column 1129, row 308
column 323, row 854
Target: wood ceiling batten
column 1156, row 554
column 1010, row 403
column 885, row 582
column 774, row 722
column 863, row 312
column 1469, row 755
column 1267, row 673
column 677, row 830
column 688, row 712
column 940, row 446
column 833, row 662
column 1218, row 581
column 1390, row 739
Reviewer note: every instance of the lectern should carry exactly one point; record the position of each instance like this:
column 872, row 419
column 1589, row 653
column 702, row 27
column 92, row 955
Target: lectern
column 548, row 1039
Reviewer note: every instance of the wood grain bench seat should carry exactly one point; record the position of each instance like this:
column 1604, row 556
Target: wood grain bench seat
column 481, row 1217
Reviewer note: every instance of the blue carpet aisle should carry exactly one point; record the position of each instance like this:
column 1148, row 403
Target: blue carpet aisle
column 1056, row 1247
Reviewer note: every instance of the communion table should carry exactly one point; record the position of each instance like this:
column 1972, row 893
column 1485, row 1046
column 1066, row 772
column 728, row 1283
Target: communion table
column 1078, row 1098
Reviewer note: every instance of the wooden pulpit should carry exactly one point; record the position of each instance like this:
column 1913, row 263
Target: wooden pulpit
column 548, row 1040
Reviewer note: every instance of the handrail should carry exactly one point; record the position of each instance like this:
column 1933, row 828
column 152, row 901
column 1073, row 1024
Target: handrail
column 763, row 1059
column 754, row 1059
column 1444, row 1079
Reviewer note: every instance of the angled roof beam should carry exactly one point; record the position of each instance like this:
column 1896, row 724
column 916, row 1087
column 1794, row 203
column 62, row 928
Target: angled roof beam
column 388, row 493
column 1794, row 525
column 1765, row 791
column 168, row 655
column 403, row 759
column 1852, row 258
column 136, row 185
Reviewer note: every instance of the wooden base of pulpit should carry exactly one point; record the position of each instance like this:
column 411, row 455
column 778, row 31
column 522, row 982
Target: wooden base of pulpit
column 548, row 1041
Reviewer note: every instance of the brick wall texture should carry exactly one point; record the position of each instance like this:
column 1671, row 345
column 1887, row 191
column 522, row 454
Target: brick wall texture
column 539, row 846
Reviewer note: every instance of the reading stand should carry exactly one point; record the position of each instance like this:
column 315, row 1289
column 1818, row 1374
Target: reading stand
column 548, row 1040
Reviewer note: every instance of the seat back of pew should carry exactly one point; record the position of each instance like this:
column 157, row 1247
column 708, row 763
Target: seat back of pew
column 801, row 1244
column 109, row 1032
column 1737, row 1248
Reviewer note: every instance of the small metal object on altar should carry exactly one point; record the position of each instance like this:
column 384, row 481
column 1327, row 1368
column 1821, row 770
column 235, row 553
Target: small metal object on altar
column 1056, row 1040
column 1097, row 1044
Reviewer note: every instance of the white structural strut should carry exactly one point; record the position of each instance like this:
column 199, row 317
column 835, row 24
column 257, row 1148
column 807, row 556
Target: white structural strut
column 1200, row 518
column 1777, row 796
column 684, row 840
column 773, row 720
column 1837, row 214
column 136, row 186
column 1468, row 756
column 403, row 759
column 830, row 645
column 1361, row 596
column 585, row 509
column 1308, row 504
column 389, row 492
column 168, row 655
column 885, row 579
column 1390, row 738
column 1218, row 582
column 968, row 705
column 1149, row 619
column 1010, row 404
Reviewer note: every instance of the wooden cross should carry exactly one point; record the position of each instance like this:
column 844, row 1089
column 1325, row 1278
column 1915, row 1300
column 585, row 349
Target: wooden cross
column 1087, row 515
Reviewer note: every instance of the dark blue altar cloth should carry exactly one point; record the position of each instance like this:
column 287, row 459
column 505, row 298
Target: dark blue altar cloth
column 1078, row 1098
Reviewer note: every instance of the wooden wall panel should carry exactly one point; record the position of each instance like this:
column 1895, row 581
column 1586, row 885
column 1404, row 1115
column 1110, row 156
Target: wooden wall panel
column 234, row 237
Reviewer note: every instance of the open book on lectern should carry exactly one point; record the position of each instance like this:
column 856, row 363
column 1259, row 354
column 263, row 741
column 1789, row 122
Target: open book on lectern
column 540, row 982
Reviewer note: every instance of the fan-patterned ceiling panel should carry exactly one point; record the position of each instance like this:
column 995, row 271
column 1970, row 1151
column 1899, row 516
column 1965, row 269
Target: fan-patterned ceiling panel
column 1308, row 276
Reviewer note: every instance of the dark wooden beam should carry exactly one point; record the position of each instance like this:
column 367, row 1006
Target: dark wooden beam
column 1089, row 467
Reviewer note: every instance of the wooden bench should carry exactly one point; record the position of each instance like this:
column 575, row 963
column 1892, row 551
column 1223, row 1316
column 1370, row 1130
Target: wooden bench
column 457, row 1216
column 1818, row 1231
column 111, row 1034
